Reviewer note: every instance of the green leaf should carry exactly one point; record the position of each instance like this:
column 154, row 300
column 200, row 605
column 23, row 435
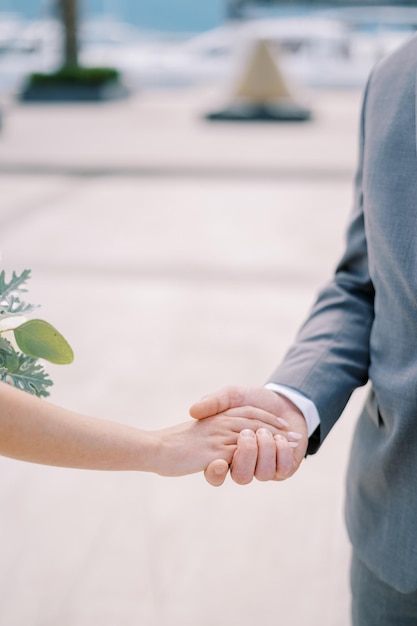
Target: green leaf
column 40, row 340
column 22, row 371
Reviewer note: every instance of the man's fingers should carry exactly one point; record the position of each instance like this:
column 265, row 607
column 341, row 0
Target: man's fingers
column 215, row 474
column 233, row 397
column 266, row 466
column 286, row 464
column 257, row 455
column 218, row 402
column 245, row 457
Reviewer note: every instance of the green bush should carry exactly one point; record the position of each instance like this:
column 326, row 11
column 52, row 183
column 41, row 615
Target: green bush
column 76, row 75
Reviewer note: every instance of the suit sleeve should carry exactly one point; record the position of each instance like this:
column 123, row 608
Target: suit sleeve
column 330, row 356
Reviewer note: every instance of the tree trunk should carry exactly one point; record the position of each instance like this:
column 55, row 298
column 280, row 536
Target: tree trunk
column 68, row 10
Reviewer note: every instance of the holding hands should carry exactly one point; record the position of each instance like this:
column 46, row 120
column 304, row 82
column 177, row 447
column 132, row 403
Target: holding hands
column 263, row 453
column 254, row 432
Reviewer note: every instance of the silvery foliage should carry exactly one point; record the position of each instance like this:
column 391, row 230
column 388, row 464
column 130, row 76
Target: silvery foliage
column 17, row 368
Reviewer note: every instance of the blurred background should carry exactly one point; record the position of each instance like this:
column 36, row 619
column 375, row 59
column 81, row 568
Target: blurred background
column 178, row 251
column 178, row 43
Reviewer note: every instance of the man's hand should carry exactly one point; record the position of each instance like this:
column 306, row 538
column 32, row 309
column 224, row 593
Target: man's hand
column 193, row 446
column 259, row 454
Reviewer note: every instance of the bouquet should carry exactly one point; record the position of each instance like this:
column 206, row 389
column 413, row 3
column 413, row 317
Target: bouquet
column 23, row 342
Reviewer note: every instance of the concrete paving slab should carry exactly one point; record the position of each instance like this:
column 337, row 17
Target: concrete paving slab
column 183, row 228
column 159, row 132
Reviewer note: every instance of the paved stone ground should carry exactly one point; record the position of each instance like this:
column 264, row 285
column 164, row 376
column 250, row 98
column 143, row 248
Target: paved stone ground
column 177, row 256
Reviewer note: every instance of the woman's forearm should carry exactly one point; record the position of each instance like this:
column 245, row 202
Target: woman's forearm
column 40, row 432
column 37, row 431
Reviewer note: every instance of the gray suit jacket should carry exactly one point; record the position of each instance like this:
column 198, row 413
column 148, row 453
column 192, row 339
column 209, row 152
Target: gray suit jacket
column 364, row 325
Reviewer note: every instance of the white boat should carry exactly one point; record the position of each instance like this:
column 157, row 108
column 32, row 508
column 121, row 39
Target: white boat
column 322, row 50
column 329, row 49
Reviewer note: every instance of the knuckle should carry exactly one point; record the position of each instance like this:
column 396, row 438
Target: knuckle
column 242, row 480
column 264, row 474
column 241, row 475
column 284, row 473
column 235, row 396
column 263, row 478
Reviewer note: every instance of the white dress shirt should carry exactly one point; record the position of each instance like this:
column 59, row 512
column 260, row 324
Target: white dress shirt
column 306, row 406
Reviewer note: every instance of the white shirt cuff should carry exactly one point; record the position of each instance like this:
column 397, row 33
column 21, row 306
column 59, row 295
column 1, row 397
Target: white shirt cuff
column 306, row 406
